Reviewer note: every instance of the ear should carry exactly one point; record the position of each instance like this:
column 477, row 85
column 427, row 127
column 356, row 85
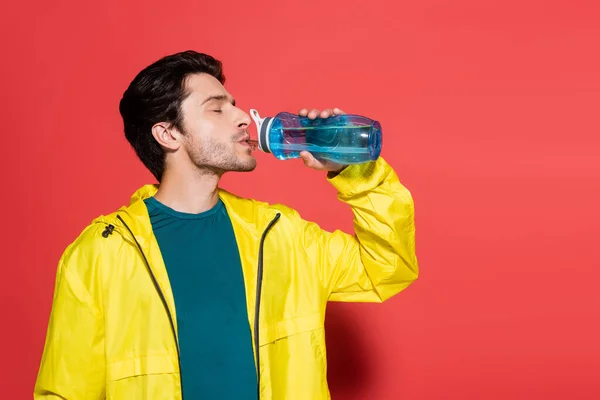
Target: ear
column 166, row 136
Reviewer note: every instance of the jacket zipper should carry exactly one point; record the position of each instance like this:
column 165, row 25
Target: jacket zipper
column 162, row 298
column 259, row 275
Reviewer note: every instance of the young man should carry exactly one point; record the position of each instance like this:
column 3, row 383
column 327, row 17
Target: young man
column 191, row 291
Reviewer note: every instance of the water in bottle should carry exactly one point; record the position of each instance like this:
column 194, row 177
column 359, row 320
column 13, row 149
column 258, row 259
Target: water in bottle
column 343, row 139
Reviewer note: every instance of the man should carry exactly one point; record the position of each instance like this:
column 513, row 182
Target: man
column 191, row 291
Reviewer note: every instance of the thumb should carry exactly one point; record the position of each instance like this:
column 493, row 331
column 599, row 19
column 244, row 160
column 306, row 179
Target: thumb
column 306, row 157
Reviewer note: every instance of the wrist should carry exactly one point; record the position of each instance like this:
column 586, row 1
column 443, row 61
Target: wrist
column 334, row 173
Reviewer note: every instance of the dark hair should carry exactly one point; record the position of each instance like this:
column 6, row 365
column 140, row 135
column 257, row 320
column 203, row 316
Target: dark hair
column 155, row 95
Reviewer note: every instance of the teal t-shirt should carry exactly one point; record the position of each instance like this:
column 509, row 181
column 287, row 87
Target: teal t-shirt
column 203, row 263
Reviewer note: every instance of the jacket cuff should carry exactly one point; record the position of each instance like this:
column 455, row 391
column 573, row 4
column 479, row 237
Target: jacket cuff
column 359, row 178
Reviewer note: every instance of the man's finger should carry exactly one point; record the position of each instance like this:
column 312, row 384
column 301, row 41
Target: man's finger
column 313, row 113
column 326, row 113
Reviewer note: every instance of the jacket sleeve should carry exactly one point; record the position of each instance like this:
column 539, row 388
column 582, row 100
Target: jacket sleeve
column 379, row 260
column 73, row 363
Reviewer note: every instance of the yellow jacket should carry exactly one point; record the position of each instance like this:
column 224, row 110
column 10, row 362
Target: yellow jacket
column 113, row 328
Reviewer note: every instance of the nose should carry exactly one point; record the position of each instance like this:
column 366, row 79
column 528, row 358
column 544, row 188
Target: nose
column 243, row 119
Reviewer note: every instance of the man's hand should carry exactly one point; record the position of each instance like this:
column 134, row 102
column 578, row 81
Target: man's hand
column 309, row 160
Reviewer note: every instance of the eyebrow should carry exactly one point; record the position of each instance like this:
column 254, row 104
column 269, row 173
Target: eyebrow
column 220, row 97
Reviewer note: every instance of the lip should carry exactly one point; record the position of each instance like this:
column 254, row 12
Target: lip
column 244, row 140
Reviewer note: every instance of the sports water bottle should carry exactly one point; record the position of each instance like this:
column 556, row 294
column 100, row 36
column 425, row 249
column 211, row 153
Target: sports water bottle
column 343, row 139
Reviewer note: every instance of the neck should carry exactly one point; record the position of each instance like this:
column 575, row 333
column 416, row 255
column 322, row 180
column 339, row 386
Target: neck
column 193, row 192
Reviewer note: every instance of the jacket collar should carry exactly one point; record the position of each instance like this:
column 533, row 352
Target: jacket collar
column 251, row 214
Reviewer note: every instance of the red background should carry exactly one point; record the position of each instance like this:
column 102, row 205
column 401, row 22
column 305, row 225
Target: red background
column 490, row 116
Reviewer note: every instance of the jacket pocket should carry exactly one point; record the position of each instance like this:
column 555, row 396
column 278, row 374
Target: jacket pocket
column 289, row 327
column 142, row 365
column 153, row 377
column 293, row 359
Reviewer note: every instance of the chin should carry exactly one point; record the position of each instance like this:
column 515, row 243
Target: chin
column 245, row 164
column 251, row 166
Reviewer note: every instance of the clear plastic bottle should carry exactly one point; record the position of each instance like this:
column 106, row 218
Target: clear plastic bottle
column 344, row 139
